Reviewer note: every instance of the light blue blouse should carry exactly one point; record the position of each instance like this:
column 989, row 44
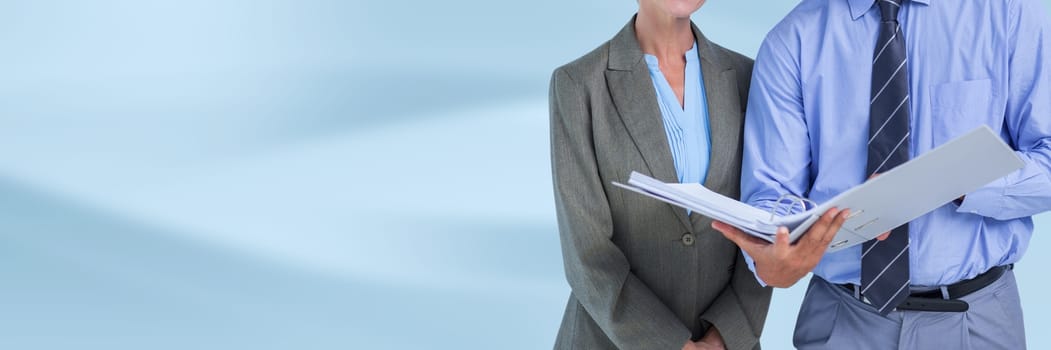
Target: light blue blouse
column 686, row 126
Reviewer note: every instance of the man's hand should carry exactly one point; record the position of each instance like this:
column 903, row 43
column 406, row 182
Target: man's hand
column 883, row 236
column 782, row 264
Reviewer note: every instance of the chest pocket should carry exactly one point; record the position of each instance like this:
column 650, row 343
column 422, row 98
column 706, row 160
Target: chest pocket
column 959, row 107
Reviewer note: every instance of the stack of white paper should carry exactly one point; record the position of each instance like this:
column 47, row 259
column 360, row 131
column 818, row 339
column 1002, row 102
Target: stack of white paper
column 697, row 198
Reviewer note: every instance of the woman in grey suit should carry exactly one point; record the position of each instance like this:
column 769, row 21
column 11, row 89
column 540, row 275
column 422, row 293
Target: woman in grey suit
column 660, row 99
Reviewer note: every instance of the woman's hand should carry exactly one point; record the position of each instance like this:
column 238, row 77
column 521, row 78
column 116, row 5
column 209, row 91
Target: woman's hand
column 711, row 341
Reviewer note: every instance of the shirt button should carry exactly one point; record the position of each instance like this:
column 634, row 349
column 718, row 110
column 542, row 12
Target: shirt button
column 687, row 239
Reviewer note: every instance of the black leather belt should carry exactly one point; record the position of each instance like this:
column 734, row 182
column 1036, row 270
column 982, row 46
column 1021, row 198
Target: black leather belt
column 934, row 301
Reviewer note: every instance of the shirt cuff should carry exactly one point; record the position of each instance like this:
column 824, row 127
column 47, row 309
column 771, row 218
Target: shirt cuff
column 985, row 201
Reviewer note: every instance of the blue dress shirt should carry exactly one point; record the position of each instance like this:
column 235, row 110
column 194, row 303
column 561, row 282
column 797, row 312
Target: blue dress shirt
column 686, row 125
column 970, row 63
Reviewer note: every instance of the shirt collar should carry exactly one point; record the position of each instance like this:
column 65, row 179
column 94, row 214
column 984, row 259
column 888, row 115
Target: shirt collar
column 858, row 8
column 654, row 64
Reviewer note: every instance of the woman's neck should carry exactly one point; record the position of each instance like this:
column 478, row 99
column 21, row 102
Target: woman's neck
column 663, row 36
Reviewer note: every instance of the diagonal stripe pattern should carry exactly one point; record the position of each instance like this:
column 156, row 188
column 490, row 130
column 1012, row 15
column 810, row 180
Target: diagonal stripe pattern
column 885, row 265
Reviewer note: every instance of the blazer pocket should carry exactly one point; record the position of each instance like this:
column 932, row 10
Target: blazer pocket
column 959, row 107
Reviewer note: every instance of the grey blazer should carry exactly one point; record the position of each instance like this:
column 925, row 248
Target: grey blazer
column 644, row 274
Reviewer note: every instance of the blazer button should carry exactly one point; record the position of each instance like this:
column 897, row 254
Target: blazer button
column 687, row 239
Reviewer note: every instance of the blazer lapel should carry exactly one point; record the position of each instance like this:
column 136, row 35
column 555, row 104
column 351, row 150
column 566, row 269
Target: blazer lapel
column 631, row 87
column 724, row 117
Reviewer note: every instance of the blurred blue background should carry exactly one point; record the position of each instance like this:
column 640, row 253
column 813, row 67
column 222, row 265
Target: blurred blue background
column 304, row 174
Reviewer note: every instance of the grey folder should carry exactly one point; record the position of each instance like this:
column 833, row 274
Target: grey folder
column 877, row 206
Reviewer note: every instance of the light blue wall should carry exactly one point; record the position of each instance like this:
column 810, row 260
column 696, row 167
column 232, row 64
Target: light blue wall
column 305, row 174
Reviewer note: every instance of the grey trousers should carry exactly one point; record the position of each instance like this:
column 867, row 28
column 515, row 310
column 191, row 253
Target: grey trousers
column 831, row 318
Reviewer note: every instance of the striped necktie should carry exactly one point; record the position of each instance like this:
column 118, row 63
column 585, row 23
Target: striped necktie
column 885, row 264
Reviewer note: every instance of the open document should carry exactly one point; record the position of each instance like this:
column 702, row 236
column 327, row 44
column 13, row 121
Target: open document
column 880, row 204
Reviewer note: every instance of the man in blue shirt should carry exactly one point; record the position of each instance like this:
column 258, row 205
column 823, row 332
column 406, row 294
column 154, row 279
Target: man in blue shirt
column 845, row 89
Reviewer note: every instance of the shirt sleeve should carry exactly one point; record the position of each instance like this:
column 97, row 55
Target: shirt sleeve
column 776, row 159
column 1027, row 191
